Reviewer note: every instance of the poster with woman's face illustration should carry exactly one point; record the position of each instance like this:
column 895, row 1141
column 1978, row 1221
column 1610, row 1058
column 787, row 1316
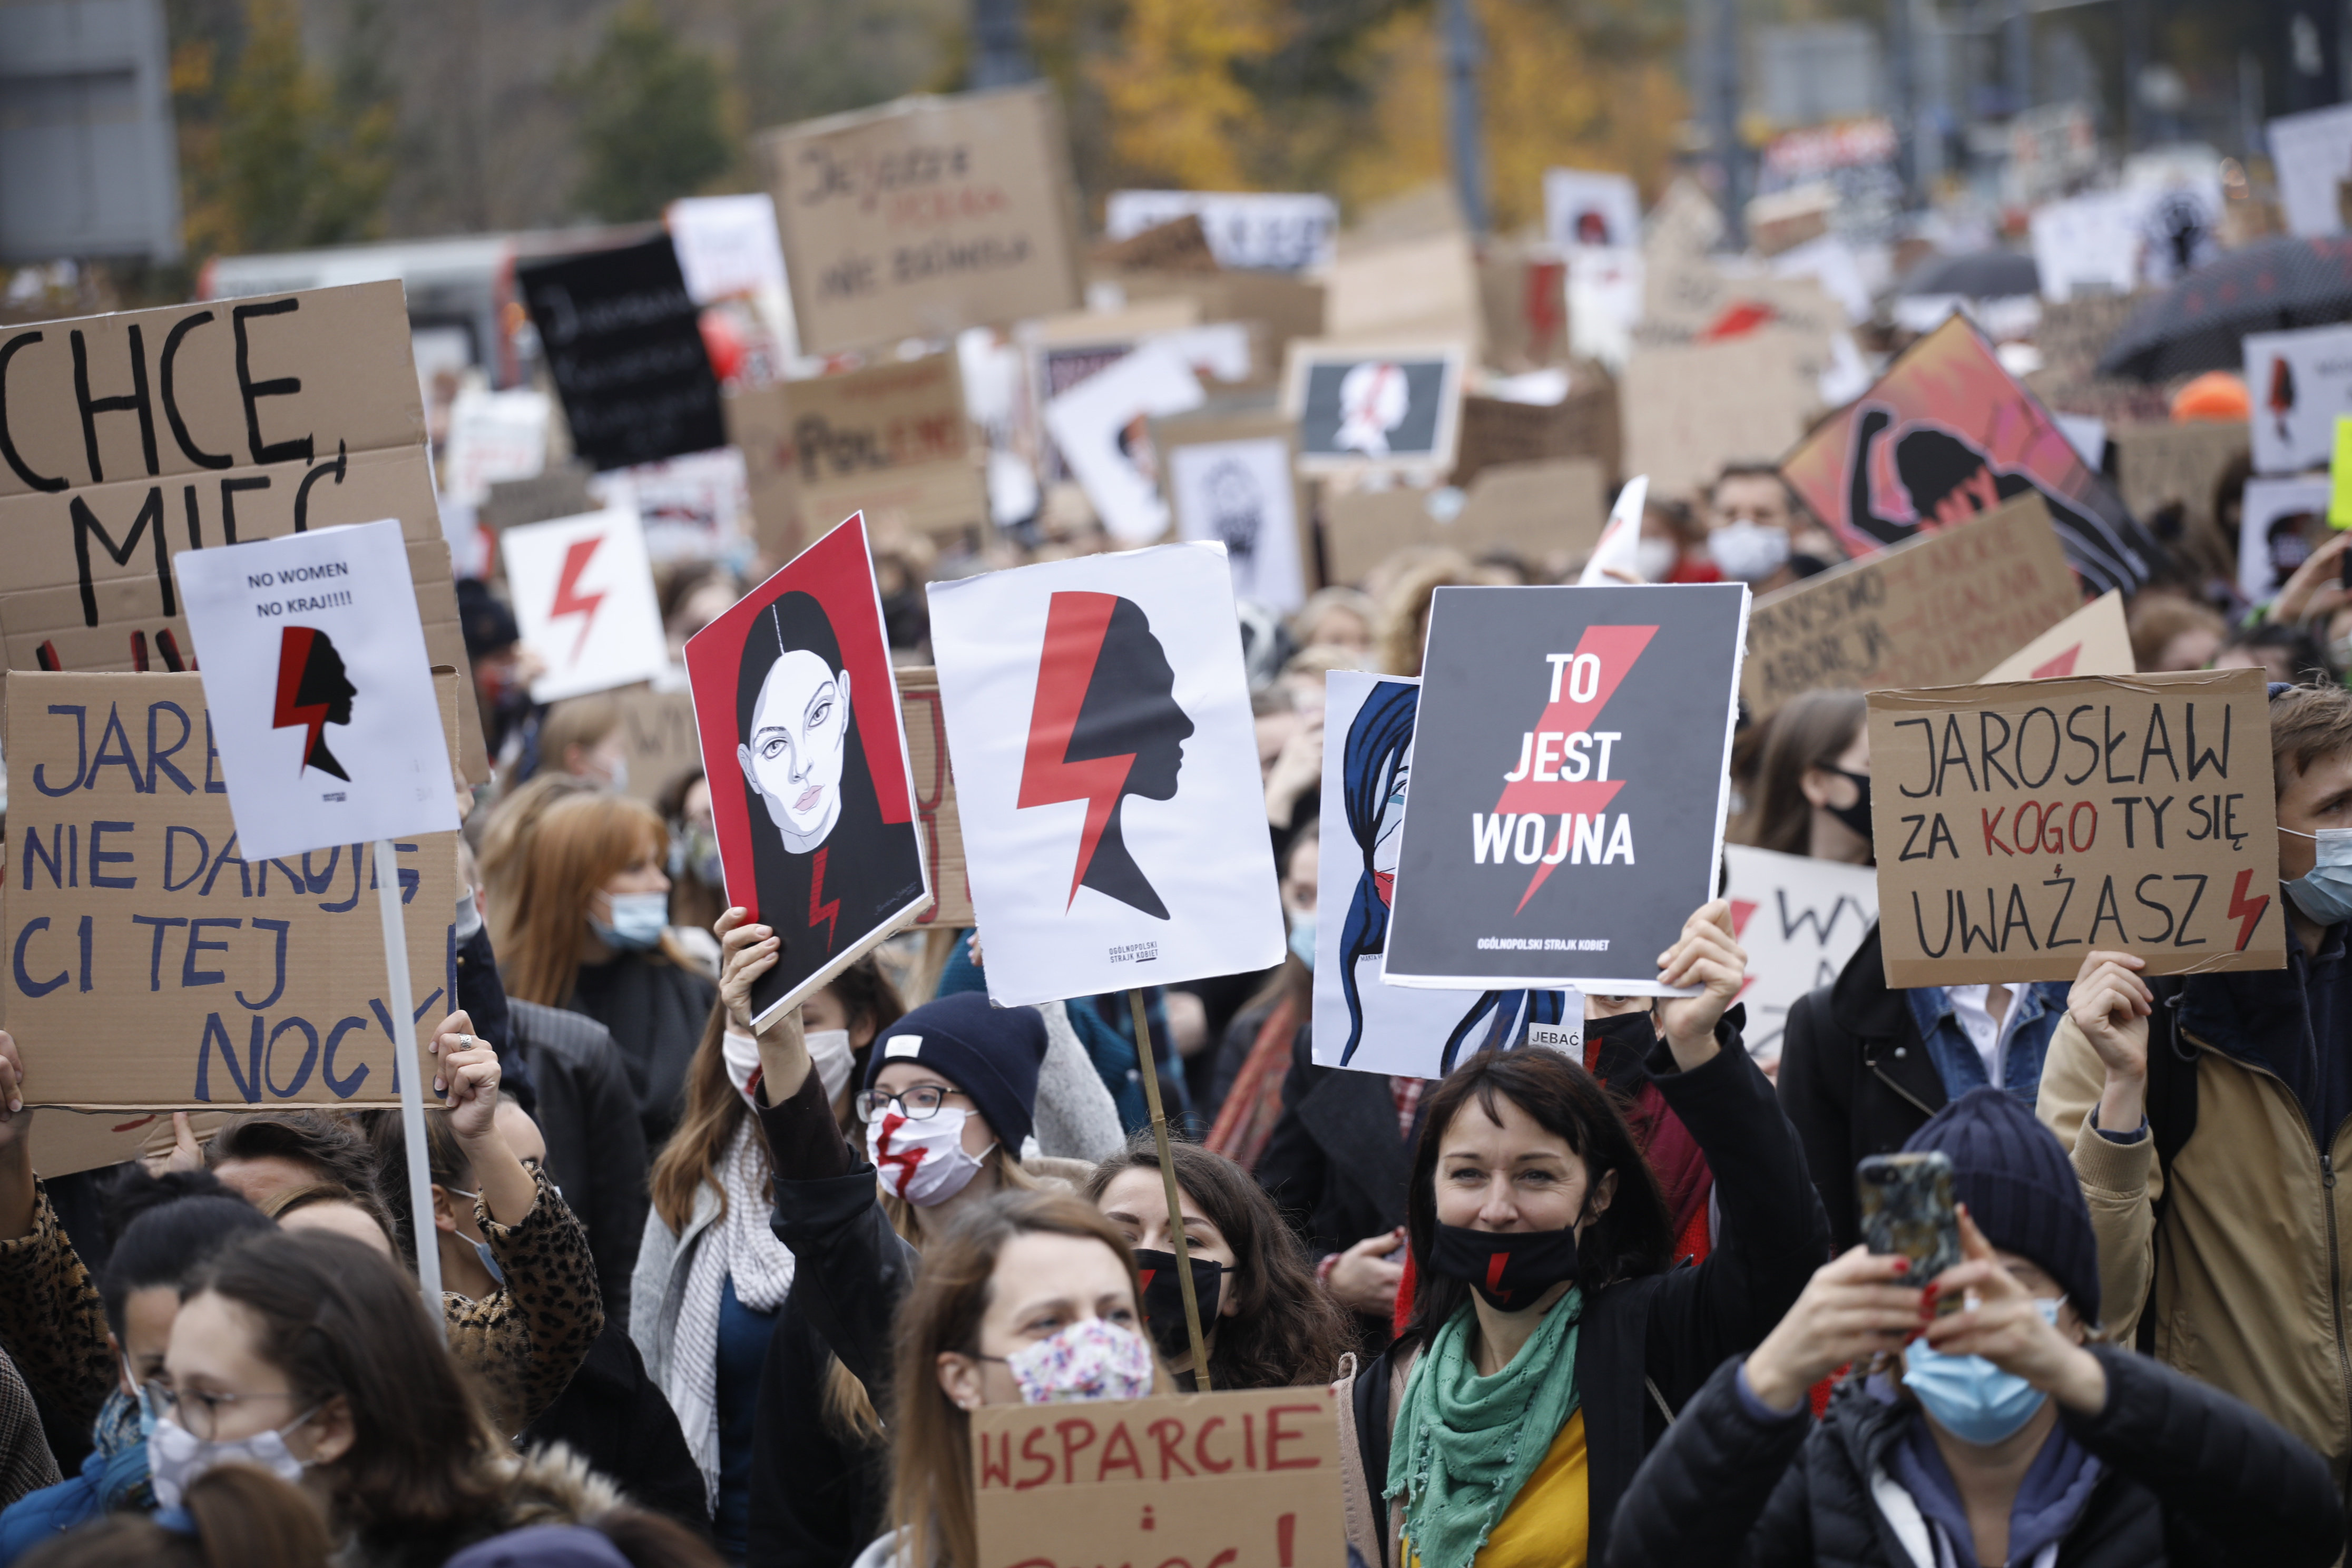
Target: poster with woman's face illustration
column 806, row 758
column 1106, row 768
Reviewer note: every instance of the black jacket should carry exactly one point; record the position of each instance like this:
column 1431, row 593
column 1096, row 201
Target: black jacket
column 612, row 1415
column 1856, row 1079
column 656, row 1012
column 595, row 1145
column 1658, row 1337
column 817, row 1496
column 2192, row 1478
column 1337, row 1165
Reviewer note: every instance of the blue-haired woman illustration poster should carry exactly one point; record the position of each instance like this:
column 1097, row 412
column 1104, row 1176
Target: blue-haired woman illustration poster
column 1361, row 1022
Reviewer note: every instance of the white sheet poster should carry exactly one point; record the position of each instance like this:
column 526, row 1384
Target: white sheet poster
column 319, row 689
column 1106, row 767
column 1799, row 920
column 1360, row 1022
column 1240, row 494
column 2299, row 382
column 1587, row 210
column 1274, row 231
column 2313, row 154
column 1103, row 427
column 583, row 599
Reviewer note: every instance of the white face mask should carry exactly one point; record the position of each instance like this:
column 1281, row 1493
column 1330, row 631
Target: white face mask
column 176, row 1456
column 1749, row 551
column 1094, row 1358
column 829, row 1048
column 1655, row 559
column 2324, row 892
column 922, row 1162
column 469, row 915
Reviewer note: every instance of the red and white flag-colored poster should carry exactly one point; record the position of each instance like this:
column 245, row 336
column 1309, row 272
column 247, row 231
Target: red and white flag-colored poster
column 1106, row 767
column 584, row 599
column 806, row 757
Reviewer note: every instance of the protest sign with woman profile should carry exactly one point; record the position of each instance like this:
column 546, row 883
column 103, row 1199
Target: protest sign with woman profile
column 810, row 792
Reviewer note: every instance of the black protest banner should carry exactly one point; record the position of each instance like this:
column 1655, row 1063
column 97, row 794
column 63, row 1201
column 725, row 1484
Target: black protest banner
column 2022, row 826
column 624, row 341
column 1567, row 809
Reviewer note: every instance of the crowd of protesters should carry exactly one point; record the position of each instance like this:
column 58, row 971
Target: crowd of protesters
column 716, row 1292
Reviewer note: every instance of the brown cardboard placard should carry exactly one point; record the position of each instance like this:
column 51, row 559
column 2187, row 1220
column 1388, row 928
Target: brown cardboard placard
column 1424, row 288
column 658, row 729
column 1180, row 245
column 559, row 490
column 2093, row 640
column 1534, row 511
column 1689, row 409
column 64, row 1141
column 1523, row 293
column 892, row 441
column 935, row 799
column 135, row 436
column 152, row 967
column 1584, row 424
column 2020, row 826
column 759, row 425
column 1684, row 296
column 1943, row 607
column 1239, row 1480
column 921, row 217
column 1286, row 307
column 2157, row 465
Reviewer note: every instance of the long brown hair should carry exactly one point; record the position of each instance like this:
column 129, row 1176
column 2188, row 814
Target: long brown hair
column 1285, row 1332
column 931, row 1479
column 506, row 831
column 580, row 844
column 1811, row 730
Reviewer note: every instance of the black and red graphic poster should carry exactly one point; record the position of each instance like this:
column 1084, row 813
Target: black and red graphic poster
column 1106, row 769
column 1578, row 817
column 806, row 757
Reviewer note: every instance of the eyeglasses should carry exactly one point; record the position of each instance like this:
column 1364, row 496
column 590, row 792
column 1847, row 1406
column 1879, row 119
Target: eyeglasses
column 201, row 1412
column 919, row 1103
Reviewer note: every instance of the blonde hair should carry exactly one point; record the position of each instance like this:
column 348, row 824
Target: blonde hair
column 498, row 854
column 1404, row 610
column 580, row 844
column 582, row 721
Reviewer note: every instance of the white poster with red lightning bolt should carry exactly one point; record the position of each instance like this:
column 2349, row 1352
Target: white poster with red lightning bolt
column 584, row 599
column 1576, row 819
column 1106, row 767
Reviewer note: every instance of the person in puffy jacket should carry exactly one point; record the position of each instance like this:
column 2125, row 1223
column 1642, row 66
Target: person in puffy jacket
column 1993, row 1434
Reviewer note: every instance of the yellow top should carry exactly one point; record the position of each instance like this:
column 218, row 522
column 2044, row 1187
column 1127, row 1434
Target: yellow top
column 1549, row 1524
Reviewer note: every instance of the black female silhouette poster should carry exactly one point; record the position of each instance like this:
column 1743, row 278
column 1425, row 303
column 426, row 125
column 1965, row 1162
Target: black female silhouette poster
column 806, row 758
column 1106, row 766
column 319, row 689
column 1948, row 434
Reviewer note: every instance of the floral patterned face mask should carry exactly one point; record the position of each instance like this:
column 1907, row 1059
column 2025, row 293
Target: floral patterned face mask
column 1094, row 1358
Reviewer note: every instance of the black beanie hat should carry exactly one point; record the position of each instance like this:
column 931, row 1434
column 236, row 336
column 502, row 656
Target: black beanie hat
column 991, row 1054
column 2019, row 1187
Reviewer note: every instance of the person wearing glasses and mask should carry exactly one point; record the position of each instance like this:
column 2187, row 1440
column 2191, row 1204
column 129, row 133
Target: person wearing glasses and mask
column 946, row 1100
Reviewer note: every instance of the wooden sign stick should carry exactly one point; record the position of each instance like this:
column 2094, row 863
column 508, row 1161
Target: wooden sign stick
column 1175, row 1198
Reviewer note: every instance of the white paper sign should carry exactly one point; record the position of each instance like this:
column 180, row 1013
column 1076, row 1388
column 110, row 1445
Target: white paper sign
column 692, row 507
column 2313, row 154
column 493, row 435
column 1617, row 557
column 1102, row 427
column 1799, row 918
column 584, row 597
column 1272, row 231
column 727, row 246
column 1240, row 494
column 2299, row 383
column 2087, row 245
column 1604, row 303
column 1105, row 771
column 1360, row 1022
column 1586, row 210
column 319, row 689
column 2280, row 523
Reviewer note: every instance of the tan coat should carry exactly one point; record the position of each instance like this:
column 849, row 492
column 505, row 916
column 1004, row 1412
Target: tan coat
column 2254, row 1269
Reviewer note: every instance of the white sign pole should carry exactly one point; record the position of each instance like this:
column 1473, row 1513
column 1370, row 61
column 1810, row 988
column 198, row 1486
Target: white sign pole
column 410, row 1077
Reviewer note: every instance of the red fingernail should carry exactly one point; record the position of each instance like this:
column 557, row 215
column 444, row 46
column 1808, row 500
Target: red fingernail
column 1902, row 1266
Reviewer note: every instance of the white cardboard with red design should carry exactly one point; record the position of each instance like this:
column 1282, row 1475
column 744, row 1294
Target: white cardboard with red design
column 583, row 599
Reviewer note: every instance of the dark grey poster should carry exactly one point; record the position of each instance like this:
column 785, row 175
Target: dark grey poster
column 624, row 342
column 1577, row 818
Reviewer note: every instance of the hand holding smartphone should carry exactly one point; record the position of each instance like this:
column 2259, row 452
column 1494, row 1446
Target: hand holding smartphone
column 1907, row 1209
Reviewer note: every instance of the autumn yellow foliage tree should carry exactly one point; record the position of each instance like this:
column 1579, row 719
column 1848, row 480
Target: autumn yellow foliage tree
column 1178, row 115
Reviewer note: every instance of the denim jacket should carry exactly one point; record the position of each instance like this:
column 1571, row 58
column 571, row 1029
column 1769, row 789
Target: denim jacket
column 2038, row 1007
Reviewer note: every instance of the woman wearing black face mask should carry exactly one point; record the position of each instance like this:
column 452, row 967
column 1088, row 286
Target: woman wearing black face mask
column 1810, row 795
column 1552, row 1340
column 1266, row 1325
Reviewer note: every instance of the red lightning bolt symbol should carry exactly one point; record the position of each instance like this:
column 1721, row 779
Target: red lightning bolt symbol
column 2243, row 907
column 1617, row 647
column 886, row 1156
column 1075, row 624
column 293, row 659
column 569, row 600
column 830, row 912
column 1740, row 909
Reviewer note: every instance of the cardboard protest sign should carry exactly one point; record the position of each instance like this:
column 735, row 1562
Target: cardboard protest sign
column 1278, row 307
column 1690, row 409
column 1102, row 427
column 1361, row 407
column 727, row 246
column 64, row 1141
column 493, row 435
column 2313, row 154
column 2020, row 826
column 924, row 217
column 1547, row 850
column 1585, row 208
column 559, row 491
column 2087, row 244
column 809, row 787
column 2280, row 524
column 2093, row 640
column 1419, row 289
column 1540, row 512
column 1946, row 606
column 1106, row 769
column 935, row 802
column 1268, row 230
column 141, row 435
column 1230, row 477
column 624, row 342
column 583, row 600
column 2163, row 464
column 657, row 734
column 1946, row 434
column 308, row 634
column 694, row 508
column 1799, row 918
column 174, row 957
column 760, row 426
column 2300, row 381
column 1690, row 299
column 1200, row 1478
column 1368, row 721
column 890, row 441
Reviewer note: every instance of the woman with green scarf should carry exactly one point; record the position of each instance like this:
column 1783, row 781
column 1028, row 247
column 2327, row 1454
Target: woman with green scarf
column 1552, row 1336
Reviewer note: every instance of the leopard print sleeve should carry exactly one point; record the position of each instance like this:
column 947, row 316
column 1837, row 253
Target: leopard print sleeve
column 525, row 1340
column 51, row 1322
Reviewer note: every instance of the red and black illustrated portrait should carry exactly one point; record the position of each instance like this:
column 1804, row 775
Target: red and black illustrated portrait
column 1105, row 726
column 312, row 692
